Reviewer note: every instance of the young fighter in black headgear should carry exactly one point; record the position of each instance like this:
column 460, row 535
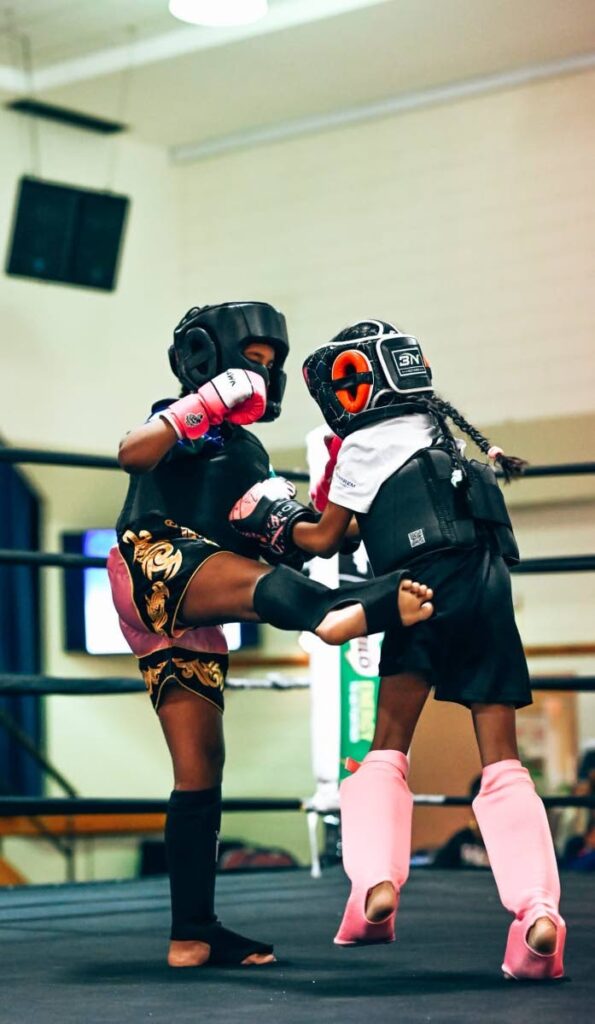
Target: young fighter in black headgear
column 180, row 569
column 419, row 502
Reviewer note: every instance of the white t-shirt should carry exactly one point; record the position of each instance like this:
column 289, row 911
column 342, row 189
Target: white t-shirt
column 370, row 455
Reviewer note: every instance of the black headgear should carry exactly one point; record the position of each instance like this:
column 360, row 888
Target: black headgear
column 211, row 339
column 366, row 374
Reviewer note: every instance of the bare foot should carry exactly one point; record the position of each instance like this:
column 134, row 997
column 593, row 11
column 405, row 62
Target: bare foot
column 414, row 602
column 542, row 936
column 188, row 954
column 195, row 954
column 381, row 902
column 343, row 624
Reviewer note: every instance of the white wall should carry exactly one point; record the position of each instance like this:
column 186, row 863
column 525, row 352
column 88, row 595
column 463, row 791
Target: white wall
column 470, row 224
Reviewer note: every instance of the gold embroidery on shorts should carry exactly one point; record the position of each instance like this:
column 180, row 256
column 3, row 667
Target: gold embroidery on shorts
column 189, row 534
column 155, row 604
column 151, row 676
column 156, row 557
column 209, row 673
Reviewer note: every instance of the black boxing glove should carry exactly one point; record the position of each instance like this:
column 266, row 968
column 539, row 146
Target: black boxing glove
column 267, row 513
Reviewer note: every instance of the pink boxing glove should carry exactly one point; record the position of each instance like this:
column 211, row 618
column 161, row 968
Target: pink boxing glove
column 320, row 490
column 238, row 396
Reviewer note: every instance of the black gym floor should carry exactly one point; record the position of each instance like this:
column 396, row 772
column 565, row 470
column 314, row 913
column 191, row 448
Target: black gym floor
column 94, row 954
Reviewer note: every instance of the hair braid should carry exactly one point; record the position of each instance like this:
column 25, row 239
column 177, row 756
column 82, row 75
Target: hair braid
column 511, row 466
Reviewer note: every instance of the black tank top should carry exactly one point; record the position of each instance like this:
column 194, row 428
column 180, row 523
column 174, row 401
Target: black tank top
column 196, row 486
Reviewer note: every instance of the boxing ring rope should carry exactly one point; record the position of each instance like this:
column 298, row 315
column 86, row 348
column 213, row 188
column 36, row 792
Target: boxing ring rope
column 58, row 559
column 15, row 685
column 11, row 806
column 35, row 456
column 40, row 685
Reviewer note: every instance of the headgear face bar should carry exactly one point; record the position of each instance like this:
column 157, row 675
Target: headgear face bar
column 365, row 374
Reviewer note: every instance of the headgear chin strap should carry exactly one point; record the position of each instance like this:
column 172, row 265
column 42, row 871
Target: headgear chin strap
column 211, row 339
column 365, row 374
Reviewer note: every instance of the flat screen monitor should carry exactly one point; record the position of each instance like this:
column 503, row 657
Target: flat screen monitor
column 91, row 622
column 67, row 235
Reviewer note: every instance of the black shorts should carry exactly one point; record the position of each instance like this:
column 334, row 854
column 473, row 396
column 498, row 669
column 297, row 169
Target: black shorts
column 470, row 650
column 201, row 673
column 161, row 564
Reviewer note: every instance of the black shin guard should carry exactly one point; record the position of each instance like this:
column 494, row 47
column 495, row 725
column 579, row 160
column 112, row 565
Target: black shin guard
column 191, row 836
column 286, row 599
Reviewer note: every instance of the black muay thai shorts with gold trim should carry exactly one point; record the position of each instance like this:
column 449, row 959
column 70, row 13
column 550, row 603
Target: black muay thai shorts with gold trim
column 201, row 673
column 161, row 564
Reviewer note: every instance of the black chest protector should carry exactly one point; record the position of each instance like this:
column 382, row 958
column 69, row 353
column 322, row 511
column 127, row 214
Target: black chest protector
column 198, row 490
column 419, row 510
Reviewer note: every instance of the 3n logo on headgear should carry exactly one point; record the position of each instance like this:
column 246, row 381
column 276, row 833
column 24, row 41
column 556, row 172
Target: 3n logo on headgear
column 408, row 362
column 409, row 359
column 404, row 365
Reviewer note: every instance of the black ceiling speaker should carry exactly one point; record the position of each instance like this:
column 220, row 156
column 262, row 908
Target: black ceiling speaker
column 66, row 234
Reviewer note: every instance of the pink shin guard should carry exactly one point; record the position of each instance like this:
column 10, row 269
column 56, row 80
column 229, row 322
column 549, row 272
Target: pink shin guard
column 517, row 836
column 376, row 812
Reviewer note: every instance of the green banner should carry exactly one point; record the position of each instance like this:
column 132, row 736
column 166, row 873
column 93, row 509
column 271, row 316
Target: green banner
column 359, row 697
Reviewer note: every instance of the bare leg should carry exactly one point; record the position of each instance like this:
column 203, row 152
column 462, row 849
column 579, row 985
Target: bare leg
column 193, row 730
column 495, row 731
column 223, row 591
column 401, row 702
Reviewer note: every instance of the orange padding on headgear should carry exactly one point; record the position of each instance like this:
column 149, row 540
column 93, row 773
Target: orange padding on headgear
column 356, row 397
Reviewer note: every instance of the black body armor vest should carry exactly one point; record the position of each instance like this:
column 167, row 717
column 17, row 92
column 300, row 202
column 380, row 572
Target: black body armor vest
column 197, row 489
column 419, row 510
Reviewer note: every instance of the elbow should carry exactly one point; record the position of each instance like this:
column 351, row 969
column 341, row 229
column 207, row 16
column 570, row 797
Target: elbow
column 125, row 461
column 129, row 462
column 328, row 550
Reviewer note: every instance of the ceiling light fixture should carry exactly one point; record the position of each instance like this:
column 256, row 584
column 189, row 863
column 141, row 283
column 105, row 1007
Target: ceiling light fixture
column 218, row 12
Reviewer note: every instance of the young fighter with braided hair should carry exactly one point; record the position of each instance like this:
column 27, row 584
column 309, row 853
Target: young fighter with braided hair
column 395, row 464
column 180, row 570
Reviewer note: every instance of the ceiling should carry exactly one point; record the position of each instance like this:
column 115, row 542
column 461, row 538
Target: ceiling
column 308, row 61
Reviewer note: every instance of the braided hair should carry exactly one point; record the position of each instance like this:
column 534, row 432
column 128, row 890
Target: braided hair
column 511, row 466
